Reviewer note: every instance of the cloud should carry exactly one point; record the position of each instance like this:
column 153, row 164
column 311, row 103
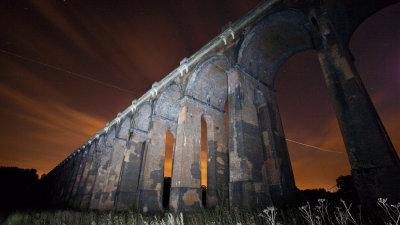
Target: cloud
column 50, row 130
column 315, row 168
column 56, row 17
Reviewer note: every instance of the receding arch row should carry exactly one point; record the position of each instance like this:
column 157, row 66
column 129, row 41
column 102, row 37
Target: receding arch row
column 259, row 171
column 151, row 192
column 107, row 176
column 211, row 75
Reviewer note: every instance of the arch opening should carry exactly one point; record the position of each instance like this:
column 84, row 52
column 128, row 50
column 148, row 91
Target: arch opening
column 226, row 109
column 375, row 46
column 208, row 85
column 203, row 162
column 313, row 137
column 169, row 149
column 143, row 148
column 271, row 42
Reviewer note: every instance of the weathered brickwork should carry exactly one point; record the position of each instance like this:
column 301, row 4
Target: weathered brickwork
column 164, row 119
column 248, row 164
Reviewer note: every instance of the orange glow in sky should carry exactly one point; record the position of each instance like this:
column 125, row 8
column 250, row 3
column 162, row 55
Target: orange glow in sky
column 46, row 113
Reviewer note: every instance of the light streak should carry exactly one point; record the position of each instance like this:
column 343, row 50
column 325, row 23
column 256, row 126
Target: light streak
column 69, row 72
column 314, row 147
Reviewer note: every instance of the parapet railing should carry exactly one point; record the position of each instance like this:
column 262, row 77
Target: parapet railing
column 186, row 64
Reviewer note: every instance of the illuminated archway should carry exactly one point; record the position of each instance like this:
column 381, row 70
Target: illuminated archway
column 203, row 163
column 169, row 150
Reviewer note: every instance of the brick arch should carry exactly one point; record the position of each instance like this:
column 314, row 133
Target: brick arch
column 167, row 104
column 271, row 42
column 217, row 157
column 209, row 82
column 110, row 135
column 141, row 119
column 101, row 141
column 123, row 128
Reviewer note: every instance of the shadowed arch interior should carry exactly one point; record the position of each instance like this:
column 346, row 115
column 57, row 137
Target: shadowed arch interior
column 169, row 149
column 209, row 83
column 110, row 136
column 271, row 42
column 142, row 117
column 167, row 105
column 123, row 128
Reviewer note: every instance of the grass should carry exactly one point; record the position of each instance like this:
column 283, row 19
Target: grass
column 322, row 213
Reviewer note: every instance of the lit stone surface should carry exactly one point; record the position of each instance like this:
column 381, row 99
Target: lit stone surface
column 123, row 166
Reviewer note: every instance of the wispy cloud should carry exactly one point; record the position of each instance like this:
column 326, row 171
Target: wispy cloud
column 37, row 131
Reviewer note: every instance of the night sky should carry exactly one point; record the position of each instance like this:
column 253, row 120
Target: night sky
column 69, row 67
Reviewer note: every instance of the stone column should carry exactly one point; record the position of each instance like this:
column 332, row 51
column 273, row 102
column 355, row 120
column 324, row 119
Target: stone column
column 217, row 159
column 79, row 179
column 186, row 175
column 152, row 181
column 119, row 149
column 373, row 159
column 81, row 191
column 248, row 184
column 279, row 171
column 70, row 179
column 129, row 182
column 74, row 178
column 52, row 181
column 67, row 179
column 52, row 185
column 113, row 175
column 91, row 171
column 63, row 182
column 105, row 148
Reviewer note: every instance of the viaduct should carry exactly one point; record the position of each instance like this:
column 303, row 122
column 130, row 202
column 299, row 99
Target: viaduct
column 122, row 166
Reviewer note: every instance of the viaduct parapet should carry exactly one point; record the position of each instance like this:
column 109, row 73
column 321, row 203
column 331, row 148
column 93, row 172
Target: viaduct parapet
column 122, row 166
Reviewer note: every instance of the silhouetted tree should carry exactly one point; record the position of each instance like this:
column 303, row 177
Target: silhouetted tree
column 18, row 189
column 347, row 190
column 312, row 196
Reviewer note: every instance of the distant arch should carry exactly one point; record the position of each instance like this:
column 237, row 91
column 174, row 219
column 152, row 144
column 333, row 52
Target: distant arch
column 167, row 105
column 123, row 128
column 142, row 117
column 110, row 136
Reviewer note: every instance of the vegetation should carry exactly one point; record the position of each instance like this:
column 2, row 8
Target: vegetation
column 19, row 189
column 21, row 202
column 322, row 214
